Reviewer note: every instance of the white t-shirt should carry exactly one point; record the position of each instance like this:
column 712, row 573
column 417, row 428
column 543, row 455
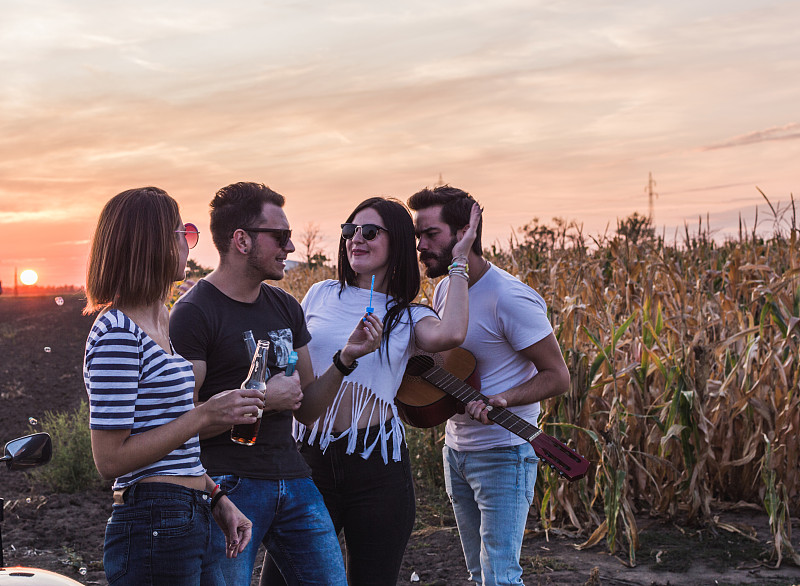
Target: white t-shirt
column 330, row 319
column 505, row 316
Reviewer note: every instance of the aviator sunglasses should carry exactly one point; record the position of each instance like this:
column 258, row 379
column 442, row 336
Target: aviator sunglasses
column 368, row 231
column 281, row 235
column 191, row 233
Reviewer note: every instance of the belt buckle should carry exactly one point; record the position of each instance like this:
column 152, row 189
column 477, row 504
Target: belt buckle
column 119, row 496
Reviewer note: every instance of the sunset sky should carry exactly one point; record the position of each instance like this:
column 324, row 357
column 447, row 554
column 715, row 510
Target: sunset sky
column 538, row 108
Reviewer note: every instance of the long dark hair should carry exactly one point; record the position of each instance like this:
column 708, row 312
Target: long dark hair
column 403, row 269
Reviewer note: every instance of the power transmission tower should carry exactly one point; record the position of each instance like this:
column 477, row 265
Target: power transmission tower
column 651, row 194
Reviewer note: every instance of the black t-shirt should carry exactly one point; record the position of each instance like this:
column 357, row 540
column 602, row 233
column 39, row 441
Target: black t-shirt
column 205, row 324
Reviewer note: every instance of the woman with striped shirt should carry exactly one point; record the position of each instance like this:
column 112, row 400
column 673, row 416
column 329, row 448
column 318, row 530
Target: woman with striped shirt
column 144, row 424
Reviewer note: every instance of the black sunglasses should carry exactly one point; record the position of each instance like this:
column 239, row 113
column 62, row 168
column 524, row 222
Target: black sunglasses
column 368, row 231
column 281, row 235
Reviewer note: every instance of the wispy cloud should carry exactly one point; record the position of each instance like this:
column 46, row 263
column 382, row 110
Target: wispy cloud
column 49, row 215
column 789, row 131
column 708, row 188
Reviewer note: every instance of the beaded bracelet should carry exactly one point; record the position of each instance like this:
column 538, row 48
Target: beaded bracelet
column 457, row 265
column 458, row 270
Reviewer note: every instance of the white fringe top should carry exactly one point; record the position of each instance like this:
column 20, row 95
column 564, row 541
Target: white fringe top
column 374, row 382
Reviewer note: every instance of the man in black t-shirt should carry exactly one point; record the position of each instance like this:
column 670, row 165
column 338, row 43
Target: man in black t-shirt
column 269, row 481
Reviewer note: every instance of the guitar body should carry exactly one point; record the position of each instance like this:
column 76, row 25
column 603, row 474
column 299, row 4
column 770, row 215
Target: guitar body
column 421, row 404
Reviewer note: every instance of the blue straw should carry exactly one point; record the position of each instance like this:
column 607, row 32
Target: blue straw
column 370, row 309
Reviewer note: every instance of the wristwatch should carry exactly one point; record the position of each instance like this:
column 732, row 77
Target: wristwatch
column 337, row 362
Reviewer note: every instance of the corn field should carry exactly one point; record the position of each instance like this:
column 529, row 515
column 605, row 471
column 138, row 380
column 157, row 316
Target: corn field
column 684, row 360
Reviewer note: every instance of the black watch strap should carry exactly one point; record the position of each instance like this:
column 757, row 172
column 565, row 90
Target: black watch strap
column 337, row 362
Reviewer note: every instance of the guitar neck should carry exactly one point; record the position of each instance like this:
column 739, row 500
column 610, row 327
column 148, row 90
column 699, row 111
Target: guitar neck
column 566, row 461
column 457, row 388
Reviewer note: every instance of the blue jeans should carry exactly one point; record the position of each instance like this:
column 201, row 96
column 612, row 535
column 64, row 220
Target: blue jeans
column 289, row 517
column 161, row 535
column 491, row 492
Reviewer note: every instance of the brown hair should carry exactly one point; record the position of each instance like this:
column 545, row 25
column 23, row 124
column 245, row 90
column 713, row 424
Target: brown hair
column 134, row 251
column 456, row 207
column 236, row 206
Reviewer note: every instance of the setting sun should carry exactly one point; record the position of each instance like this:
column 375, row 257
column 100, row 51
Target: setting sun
column 28, row 277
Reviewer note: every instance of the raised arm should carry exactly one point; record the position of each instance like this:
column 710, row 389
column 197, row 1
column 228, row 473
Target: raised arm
column 435, row 335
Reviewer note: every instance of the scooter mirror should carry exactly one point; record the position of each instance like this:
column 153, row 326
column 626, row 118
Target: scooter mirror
column 28, row 452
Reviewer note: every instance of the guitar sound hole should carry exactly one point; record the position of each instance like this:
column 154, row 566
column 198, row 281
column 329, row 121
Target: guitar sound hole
column 419, row 364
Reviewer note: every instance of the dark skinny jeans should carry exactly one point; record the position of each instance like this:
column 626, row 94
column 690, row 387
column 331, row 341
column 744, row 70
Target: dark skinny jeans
column 371, row 502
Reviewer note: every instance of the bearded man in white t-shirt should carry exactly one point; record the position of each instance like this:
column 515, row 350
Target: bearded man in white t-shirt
column 489, row 472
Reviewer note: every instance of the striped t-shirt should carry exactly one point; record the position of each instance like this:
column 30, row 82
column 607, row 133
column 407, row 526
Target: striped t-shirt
column 134, row 384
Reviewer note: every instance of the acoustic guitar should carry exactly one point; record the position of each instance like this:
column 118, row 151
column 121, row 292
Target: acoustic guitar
column 435, row 387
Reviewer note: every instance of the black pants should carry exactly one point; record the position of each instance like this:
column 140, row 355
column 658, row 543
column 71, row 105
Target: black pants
column 371, row 502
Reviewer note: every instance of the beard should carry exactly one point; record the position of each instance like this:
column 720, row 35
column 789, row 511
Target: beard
column 259, row 264
column 441, row 260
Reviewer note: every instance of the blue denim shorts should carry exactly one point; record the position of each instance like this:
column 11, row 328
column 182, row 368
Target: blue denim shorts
column 160, row 535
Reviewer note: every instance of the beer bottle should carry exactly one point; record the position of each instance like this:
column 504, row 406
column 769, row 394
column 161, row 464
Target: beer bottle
column 247, row 433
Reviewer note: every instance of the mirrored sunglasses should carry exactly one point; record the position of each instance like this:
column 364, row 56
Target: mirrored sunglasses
column 281, row 236
column 368, row 231
column 191, row 233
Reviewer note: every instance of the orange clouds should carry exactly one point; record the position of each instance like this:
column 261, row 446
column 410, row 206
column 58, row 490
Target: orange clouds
column 539, row 110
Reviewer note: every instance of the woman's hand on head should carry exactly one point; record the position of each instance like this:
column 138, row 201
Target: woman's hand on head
column 465, row 240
